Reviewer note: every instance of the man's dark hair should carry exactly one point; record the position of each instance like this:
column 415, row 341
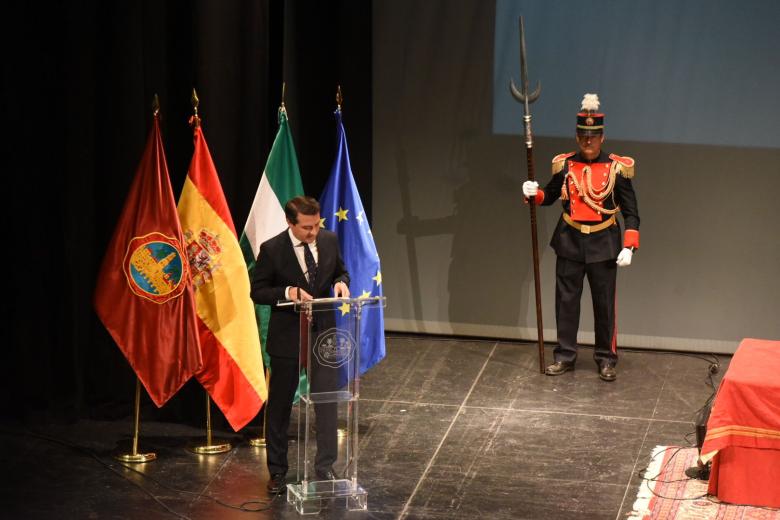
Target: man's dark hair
column 301, row 204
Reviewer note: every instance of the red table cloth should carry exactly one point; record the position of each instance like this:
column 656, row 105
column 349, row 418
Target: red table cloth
column 743, row 432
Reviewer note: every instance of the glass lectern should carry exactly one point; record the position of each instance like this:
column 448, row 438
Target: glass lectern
column 330, row 356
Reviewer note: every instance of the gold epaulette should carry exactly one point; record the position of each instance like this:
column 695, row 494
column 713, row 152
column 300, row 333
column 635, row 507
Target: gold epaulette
column 559, row 160
column 623, row 165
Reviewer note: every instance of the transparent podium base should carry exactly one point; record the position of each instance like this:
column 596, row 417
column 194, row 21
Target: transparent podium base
column 308, row 499
column 342, row 396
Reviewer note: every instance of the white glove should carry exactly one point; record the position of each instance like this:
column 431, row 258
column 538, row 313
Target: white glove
column 624, row 258
column 530, row 188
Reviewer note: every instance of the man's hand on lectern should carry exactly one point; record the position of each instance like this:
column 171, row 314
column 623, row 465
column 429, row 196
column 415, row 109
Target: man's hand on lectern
column 341, row 290
column 299, row 295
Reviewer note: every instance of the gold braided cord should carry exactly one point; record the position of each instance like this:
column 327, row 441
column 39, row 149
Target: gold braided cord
column 588, row 174
column 586, row 196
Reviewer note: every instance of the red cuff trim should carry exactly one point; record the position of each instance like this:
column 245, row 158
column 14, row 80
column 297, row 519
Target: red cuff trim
column 631, row 238
column 538, row 198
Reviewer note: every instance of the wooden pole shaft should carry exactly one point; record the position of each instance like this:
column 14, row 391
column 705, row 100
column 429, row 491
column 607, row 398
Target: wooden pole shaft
column 529, row 155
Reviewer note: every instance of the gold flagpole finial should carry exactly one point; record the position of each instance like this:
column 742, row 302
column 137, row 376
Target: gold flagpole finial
column 339, row 97
column 195, row 101
column 156, row 106
column 284, row 86
column 195, row 119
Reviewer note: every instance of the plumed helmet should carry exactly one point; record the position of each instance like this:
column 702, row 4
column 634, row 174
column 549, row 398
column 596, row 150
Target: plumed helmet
column 589, row 120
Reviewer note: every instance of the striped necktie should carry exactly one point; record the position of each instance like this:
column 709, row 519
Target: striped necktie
column 311, row 266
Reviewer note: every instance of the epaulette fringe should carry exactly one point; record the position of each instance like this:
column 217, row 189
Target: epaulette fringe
column 623, row 165
column 559, row 161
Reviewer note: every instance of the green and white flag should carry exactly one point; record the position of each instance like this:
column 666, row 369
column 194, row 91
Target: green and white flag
column 280, row 182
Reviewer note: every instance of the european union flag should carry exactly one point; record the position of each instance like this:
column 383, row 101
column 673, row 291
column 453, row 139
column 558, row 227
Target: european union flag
column 343, row 211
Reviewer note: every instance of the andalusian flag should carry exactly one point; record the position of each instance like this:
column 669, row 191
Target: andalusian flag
column 232, row 370
column 343, row 213
column 281, row 181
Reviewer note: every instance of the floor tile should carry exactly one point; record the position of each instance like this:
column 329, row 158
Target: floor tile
column 448, row 429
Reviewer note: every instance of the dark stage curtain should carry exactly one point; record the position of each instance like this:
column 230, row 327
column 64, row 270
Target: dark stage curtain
column 79, row 79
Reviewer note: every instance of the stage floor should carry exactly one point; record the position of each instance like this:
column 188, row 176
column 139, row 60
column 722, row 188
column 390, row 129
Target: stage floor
column 449, row 429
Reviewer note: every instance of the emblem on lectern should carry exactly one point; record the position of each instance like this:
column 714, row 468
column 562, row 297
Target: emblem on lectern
column 334, row 348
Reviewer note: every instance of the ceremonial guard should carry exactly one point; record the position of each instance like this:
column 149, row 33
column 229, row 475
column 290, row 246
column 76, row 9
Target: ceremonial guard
column 593, row 187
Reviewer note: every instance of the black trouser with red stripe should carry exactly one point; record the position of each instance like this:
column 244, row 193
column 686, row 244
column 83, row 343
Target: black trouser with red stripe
column 602, row 278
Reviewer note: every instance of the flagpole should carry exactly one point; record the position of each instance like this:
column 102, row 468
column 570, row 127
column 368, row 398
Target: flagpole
column 259, row 442
column 195, row 120
column 211, row 447
column 342, row 432
column 281, row 165
column 526, row 98
column 362, row 262
column 134, row 456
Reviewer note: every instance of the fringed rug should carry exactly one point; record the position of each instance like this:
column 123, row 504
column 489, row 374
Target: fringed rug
column 666, row 493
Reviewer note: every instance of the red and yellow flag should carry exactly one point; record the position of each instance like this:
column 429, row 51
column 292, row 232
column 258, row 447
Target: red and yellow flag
column 232, row 371
column 144, row 296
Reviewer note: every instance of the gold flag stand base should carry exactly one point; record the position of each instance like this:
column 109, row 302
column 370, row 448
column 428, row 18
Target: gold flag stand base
column 135, row 458
column 257, row 442
column 213, row 448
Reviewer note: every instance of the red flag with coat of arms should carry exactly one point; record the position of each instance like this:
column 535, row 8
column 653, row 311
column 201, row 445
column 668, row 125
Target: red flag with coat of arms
column 144, row 295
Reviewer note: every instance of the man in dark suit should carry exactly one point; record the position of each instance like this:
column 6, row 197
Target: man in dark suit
column 300, row 263
column 593, row 187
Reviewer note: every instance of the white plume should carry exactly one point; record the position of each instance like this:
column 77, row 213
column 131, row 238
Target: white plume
column 590, row 103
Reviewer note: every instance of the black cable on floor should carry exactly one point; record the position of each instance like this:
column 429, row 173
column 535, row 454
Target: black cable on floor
column 266, row 504
column 647, row 480
column 705, row 495
column 712, row 359
column 714, row 368
column 244, row 506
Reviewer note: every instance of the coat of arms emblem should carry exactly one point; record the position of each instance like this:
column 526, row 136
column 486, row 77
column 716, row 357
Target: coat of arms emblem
column 203, row 253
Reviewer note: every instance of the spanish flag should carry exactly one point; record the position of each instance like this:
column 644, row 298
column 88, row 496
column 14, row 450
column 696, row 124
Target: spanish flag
column 232, row 370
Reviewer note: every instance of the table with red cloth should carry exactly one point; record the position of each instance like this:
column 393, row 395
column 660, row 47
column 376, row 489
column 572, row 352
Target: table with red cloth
column 743, row 431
